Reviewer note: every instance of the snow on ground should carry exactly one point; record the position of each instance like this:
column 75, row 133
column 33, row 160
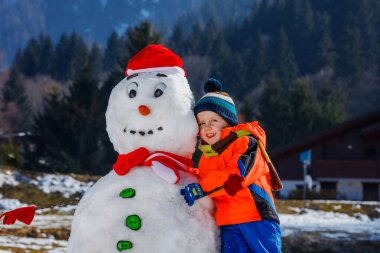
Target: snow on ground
column 331, row 224
column 66, row 185
column 46, row 244
column 351, row 202
column 8, row 177
column 47, row 183
column 9, row 204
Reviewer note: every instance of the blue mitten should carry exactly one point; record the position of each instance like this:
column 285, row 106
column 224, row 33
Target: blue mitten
column 192, row 192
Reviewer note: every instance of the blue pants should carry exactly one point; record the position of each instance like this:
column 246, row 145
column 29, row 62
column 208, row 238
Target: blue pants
column 252, row 237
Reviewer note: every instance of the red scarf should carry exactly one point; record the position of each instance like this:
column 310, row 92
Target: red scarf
column 166, row 165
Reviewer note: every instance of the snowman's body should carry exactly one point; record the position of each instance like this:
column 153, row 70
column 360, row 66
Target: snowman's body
column 105, row 220
column 167, row 225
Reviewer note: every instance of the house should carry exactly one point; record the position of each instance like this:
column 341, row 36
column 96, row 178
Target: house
column 345, row 161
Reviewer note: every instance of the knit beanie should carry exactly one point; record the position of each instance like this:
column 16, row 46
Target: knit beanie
column 217, row 101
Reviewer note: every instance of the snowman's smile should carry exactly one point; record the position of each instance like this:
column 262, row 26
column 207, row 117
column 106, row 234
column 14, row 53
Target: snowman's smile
column 143, row 133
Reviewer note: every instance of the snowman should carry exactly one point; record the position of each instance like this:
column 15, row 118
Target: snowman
column 137, row 206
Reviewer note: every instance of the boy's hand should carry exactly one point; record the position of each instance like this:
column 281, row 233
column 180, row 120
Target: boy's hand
column 233, row 184
column 192, row 192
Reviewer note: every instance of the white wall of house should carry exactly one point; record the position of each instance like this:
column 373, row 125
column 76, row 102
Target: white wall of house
column 289, row 185
column 351, row 189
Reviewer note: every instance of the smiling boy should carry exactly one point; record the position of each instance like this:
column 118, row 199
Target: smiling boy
column 247, row 218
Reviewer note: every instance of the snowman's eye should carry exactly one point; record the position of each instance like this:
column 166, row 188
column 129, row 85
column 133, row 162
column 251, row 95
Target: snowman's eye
column 159, row 89
column 132, row 89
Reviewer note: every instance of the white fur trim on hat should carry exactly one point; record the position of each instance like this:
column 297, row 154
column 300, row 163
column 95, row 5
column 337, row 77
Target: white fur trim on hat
column 164, row 70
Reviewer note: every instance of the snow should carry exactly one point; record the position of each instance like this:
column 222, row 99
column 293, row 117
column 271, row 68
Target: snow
column 8, row 204
column 178, row 134
column 333, row 224
column 46, row 244
column 66, row 185
column 351, row 202
column 8, row 178
column 330, row 225
column 47, row 183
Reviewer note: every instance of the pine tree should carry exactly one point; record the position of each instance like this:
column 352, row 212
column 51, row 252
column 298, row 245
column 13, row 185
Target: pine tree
column 139, row 37
column 95, row 62
column 68, row 136
column 14, row 93
column 48, row 138
column 113, row 52
column 177, row 41
column 30, row 59
column 283, row 59
column 209, row 36
column 306, row 45
column 325, row 54
column 46, row 55
column 79, row 55
column 255, row 59
column 263, row 17
column 275, row 112
column 222, row 58
column 366, row 23
column 350, row 61
column 195, row 40
column 305, row 109
column 333, row 103
column 63, row 59
column 277, row 14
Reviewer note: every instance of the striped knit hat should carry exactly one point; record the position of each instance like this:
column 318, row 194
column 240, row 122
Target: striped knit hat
column 217, row 101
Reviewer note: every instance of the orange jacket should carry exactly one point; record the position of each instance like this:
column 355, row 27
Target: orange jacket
column 214, row 171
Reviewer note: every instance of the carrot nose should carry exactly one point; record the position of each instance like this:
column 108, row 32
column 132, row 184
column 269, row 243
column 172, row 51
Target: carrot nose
column 144, row 110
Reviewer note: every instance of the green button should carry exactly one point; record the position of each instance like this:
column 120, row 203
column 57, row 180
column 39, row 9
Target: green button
column 124, row 245
column 133, row 222
column 127, row 193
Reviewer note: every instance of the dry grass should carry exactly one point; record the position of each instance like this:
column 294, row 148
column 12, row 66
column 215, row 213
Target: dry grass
column 18, row 250
column 32, row 195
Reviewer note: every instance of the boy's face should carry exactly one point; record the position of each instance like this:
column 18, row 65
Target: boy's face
column 210, row 126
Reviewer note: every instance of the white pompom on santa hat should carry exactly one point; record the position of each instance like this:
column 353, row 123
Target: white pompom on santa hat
column 155, row 58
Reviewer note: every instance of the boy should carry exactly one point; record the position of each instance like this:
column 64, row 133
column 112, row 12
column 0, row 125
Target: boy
column 246, row 215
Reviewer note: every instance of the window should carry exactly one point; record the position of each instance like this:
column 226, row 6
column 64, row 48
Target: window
column 328, row 190
column 370, row 152
column 371, row 191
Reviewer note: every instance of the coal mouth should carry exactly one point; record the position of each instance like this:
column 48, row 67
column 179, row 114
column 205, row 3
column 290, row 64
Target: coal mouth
column 143, row 133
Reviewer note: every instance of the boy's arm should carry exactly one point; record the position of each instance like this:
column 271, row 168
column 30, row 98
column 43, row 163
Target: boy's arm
column 217, row 178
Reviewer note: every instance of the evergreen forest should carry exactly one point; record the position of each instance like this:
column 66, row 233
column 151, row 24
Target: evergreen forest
column 296, row 66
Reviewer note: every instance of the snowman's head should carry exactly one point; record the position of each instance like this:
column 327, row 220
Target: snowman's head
column 152, row 109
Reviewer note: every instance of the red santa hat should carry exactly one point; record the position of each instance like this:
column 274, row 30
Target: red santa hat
column 155, row 58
